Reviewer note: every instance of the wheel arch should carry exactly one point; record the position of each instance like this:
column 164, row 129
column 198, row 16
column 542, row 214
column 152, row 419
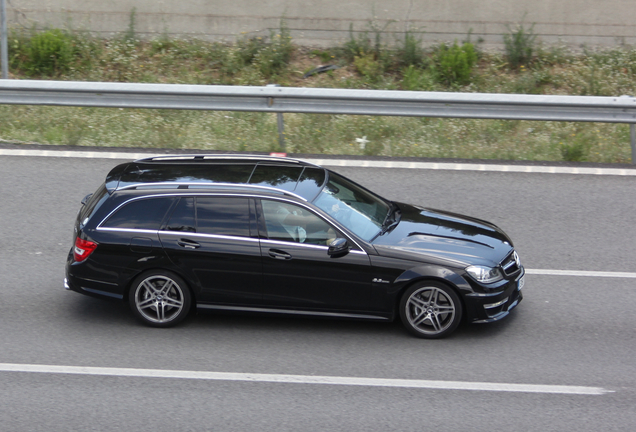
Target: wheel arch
column 431, row 273
column 134, row 277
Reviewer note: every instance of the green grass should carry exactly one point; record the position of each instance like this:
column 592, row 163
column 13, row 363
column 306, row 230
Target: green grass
column 262, row 60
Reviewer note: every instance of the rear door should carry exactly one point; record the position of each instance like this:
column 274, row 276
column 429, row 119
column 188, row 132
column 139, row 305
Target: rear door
column 213, row 241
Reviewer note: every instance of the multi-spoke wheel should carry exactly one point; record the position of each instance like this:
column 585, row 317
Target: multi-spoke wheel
column 430, row 310
column 159, row 298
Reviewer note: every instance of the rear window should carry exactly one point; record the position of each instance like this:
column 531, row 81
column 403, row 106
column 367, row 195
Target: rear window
column 145, row 214
column 94, row 203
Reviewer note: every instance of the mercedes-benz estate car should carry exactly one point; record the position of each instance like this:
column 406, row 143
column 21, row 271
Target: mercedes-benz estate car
column 276, row 235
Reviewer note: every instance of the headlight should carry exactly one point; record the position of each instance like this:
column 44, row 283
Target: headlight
column 484, row 274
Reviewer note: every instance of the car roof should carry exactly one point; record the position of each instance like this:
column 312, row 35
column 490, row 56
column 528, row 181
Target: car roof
column 255, row 173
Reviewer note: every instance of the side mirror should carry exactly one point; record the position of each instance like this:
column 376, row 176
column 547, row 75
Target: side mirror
column 338, row 247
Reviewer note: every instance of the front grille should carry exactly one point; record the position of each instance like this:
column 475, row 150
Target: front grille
column 511, row 264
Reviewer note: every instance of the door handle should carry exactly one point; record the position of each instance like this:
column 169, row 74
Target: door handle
column 188, row 244
column 278, row 254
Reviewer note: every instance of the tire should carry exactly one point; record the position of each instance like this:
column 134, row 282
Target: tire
column 159, row 298
column 430, row 310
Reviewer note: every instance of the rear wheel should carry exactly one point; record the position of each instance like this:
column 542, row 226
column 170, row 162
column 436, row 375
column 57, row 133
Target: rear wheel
column 430, row 310
column 160, row 298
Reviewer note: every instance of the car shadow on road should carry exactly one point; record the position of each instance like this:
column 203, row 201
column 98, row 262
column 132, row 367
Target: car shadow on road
column 254, row 322
column 487, row 330
column 91, row 311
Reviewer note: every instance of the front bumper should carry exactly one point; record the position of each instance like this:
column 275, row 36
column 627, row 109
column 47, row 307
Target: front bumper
column 484, row 308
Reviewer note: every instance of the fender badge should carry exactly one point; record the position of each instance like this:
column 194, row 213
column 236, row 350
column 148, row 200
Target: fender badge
column 378, row 280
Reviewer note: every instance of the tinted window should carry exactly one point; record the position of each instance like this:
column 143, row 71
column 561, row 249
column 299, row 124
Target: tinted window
column 140, row 214
column 182, row 218
column 283, row 177
column 223, row 216
column 187, row 173
column 94, row 203
column 310, row 183
column 289, row 222
column 353, row 206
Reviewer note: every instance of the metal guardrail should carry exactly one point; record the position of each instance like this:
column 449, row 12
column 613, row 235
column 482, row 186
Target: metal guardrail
column 324, row 101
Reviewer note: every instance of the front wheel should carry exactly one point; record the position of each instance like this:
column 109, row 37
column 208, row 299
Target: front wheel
column 430, row 310
column 160, row 298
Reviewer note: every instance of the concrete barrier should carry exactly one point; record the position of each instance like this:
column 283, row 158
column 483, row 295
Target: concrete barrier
column 327, row 22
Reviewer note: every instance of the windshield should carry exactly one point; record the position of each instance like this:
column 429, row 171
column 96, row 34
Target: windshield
column 354, row 207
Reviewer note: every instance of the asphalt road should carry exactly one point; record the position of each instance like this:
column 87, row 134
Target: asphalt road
column 571, row 331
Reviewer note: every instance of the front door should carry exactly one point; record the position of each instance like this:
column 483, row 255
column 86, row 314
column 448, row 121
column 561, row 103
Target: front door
column 297, row 271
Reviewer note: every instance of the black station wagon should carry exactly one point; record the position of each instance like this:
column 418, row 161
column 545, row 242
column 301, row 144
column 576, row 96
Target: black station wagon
column 278, row 235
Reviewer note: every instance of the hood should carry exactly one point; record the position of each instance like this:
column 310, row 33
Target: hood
column 433, row 235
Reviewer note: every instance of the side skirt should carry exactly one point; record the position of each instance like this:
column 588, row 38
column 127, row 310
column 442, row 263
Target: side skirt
column 293, row 312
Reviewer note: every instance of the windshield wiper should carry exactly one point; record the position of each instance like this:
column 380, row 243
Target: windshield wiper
column 392, row 219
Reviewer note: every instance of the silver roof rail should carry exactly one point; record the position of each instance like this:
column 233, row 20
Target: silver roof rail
column 206, row 185
column 204, row 157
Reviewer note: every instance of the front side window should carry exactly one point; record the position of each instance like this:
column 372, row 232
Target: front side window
column 289, row 222
column 144, row 214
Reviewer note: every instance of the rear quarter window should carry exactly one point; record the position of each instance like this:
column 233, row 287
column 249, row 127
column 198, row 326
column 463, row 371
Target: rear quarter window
column 147, row 213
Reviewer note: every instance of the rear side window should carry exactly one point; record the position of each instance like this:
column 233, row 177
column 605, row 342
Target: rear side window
column 145, row 214
column 223, row 216
column 211, row 215
column 182, row 218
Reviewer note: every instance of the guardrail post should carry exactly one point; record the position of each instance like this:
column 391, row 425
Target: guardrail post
column 4, row 50
column 279, row 119
column 632, row 135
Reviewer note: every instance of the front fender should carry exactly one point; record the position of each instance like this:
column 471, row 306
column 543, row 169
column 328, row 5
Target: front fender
column 431, row 271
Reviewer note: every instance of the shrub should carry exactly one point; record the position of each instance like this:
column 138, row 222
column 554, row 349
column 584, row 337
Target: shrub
column 50, row 52
column 574, row 152
column 416, row 79
column 519, row 45
column 356, row 46
column 454, row 64
column 324, row 55
column 248, row 47
column 273, row 57
column 369, row 41
column 367, row 66
column 18, row 44
column 410, row 52
column 269, row 57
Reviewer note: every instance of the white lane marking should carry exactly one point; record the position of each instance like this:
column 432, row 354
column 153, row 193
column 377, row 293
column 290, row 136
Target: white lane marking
column 581, row 273
column 355, row 163
column 474, row 167
column 73, row 154
column 304, row 379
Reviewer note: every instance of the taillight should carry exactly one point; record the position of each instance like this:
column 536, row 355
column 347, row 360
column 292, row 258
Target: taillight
column 82, row 249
